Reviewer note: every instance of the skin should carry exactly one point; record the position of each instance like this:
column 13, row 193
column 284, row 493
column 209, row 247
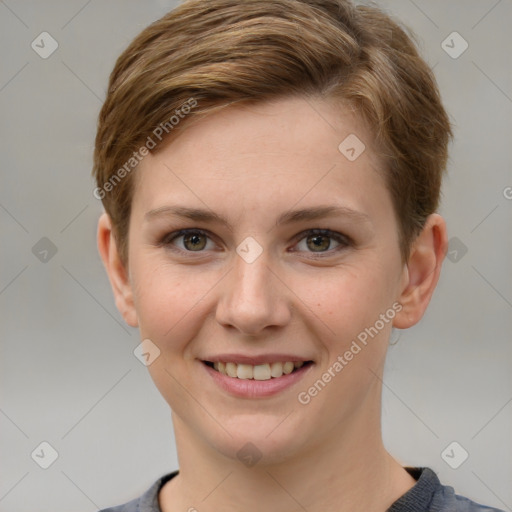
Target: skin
column 251, row 164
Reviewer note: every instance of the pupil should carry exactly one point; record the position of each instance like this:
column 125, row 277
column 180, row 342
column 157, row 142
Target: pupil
column 195, row 240
column 317, row 241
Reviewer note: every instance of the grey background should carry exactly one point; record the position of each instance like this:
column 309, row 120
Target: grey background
column 68, row 373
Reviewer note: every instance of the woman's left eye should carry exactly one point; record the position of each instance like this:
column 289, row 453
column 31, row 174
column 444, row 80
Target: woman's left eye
column 315, row 240
column 320, row 240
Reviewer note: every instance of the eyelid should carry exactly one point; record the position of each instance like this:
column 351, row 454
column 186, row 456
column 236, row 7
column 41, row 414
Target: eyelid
column 340, row 237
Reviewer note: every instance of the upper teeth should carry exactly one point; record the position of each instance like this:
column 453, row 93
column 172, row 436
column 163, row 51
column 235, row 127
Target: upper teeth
column 257, row 372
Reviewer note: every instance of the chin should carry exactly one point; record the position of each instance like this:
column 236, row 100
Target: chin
column 260, row 439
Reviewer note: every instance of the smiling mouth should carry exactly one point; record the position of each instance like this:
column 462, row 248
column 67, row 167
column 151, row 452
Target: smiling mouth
column 265, row 371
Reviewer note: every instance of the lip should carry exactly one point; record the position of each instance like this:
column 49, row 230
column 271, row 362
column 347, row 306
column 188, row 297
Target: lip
column 250, row 388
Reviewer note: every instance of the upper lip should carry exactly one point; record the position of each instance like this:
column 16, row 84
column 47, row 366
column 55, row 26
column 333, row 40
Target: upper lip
column 254, row 360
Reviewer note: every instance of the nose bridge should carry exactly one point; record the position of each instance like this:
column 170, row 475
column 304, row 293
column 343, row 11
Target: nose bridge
column 251, row 300
column 252, row 279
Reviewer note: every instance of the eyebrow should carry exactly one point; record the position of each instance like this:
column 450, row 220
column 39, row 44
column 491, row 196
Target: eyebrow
column 292, row 216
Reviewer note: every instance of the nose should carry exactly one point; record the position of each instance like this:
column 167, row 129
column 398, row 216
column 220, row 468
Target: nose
column 253, row 298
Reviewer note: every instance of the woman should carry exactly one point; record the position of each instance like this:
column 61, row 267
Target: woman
column 270, row 172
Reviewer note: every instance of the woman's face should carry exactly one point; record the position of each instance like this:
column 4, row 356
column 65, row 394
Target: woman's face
column 264, row 286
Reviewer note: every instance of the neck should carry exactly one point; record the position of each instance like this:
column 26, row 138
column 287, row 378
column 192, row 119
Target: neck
column 350, row 470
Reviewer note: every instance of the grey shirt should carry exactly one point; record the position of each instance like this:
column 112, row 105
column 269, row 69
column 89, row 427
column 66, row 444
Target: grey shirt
column 428, row 495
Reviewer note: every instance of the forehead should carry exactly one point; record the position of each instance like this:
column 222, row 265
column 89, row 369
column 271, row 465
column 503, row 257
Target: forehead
column 272, row 153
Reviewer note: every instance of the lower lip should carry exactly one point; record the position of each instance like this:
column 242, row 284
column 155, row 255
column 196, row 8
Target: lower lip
column 251, row 388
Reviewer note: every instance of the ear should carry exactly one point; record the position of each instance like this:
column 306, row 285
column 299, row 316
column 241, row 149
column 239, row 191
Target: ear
column 422, row 272
column 116, row 271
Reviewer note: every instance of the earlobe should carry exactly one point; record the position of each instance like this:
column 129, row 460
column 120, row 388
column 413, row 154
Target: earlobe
column 422, row 272
column 117, row 274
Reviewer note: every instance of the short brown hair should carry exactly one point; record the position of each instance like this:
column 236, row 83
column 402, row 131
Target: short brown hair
column 220, row 52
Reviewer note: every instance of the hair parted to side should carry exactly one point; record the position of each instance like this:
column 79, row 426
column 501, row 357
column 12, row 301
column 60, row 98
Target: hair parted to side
column 220, row 52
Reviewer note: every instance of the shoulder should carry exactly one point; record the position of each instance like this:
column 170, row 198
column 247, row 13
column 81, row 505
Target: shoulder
column 147, row 502
column 446, row 500
column 430, row 495
column 130, row 506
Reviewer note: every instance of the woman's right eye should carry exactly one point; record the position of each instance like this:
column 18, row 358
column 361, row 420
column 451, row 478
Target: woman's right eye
column 192, row 240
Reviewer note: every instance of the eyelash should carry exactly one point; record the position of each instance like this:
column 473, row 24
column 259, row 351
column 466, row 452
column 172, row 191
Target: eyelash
column 343, row 240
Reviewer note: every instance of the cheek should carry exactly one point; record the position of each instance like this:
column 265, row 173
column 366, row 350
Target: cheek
column 351, row 299
column 159, row 298
column 168, row 299
column 352, row 305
